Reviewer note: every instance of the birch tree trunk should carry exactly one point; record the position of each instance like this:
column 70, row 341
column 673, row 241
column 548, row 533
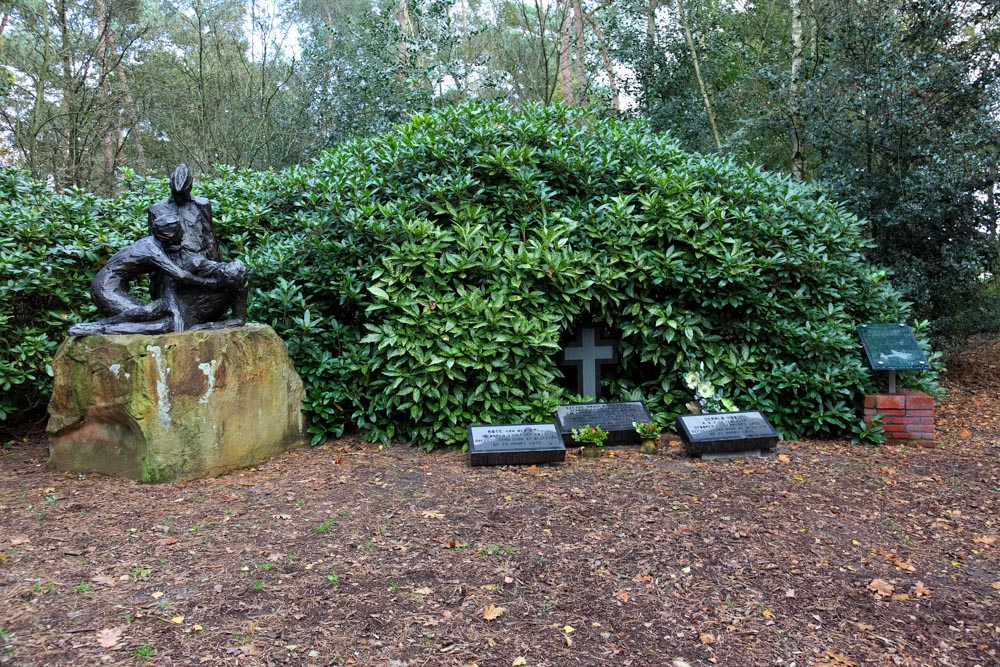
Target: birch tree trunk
column 709, row 111
column 795, row 92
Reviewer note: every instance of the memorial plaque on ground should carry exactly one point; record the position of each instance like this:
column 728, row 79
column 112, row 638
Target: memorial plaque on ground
column 725, row 432
column 515, row 444
column 615, row 418
column 892, row 347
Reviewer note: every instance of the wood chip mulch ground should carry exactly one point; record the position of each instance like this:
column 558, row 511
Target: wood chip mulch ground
column 823, row 553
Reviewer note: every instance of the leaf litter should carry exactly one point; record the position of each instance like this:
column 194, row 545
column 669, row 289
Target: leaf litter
column 832, row 554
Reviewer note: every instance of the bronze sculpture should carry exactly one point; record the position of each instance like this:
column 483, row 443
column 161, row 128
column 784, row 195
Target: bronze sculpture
column 189, row 288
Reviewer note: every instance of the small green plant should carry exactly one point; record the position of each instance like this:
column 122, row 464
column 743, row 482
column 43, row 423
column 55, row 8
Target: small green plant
column 145, row 651
column 43, row 587
column 393, row 586
column 594, row 435
column 323, row 527
column 243, row 638
column 266, row 566
column 4, row 635
column 258, row 585
column 650, row 430
column 869, row 433
column 140, row 573
column 333, row 578
column 83, row 587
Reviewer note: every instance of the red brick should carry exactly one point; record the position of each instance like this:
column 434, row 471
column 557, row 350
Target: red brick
column 925, row 420
column 902, row 435
column 894, row 428
column 890, row 401
column 919, row 413
column 887, row 412
column 869, row 401
column 918, row 400
column 923, row 431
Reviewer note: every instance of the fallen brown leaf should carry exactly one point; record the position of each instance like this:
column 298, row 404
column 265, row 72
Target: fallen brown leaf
column 491, row 612
column 842, row 659
column 881, row 587
column 989, row 540
column 109, row 637
column 104, row 580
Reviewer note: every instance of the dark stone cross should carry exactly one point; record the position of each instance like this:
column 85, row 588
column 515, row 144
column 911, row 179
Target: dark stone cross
column 587, row 355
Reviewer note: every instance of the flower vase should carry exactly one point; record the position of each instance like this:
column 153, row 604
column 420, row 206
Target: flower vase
column 648, row 446
column 588, row 451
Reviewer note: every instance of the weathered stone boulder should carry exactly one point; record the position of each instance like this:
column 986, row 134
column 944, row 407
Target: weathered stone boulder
column 174, row 406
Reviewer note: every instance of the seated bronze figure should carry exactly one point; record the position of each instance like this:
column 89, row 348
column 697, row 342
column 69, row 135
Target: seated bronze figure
column 189, row 288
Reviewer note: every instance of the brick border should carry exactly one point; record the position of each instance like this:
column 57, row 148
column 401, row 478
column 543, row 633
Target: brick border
column 907, row 416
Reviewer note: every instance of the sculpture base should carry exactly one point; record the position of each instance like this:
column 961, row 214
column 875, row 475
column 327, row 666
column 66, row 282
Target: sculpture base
column 175, row 406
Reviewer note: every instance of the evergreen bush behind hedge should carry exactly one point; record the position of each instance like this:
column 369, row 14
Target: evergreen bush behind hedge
column 423, row 279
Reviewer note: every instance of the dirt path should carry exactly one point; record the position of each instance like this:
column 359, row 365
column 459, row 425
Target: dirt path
column 824, row 554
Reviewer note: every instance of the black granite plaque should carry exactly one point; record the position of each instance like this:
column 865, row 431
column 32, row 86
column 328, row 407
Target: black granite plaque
column 726, row 432
column 892, row 347
column 615, row 418
column 515, row 444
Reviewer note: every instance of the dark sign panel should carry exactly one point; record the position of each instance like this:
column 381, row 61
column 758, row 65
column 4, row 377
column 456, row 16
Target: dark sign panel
column 892, row 347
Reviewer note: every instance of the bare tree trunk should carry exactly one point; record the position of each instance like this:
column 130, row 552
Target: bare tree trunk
column 29, row 144
column 795, row 91
column 109, row 127
column 649, row 67
column 565, row 66
column 69, row 111
column 581, row 50
column 407, row 28
column 709, row 111
column 609, row 68
column 133, row 115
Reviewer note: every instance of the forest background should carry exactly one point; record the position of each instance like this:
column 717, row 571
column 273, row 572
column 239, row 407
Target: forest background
column 894, row 104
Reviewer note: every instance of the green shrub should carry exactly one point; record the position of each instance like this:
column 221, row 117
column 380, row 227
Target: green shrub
column 423, row 279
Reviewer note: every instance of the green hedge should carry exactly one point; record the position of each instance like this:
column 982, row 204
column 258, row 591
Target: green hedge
column 423, row 278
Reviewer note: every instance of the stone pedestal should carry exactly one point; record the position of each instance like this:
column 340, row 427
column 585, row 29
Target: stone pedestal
column 908, row 416
column 175, row 406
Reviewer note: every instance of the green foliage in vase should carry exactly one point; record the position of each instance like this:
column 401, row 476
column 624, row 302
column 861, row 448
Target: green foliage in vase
column 424, row 278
